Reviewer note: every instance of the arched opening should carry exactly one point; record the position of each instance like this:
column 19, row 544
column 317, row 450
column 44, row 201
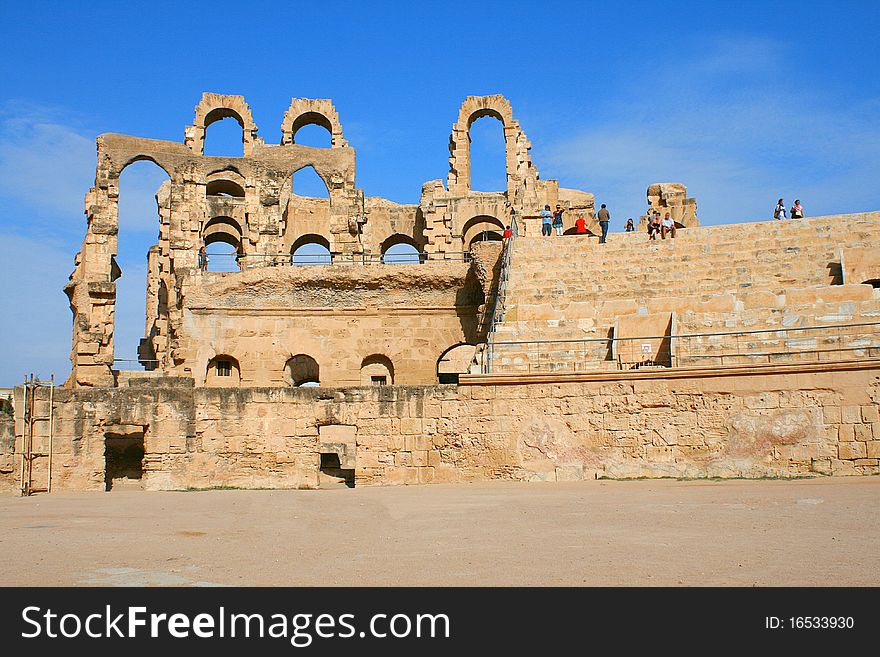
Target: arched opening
column 455, row 361
column 223, row 372
column 377, row 370
column 221, row 237
column 139, row 184
column 306, row 182
column 400, row 250
column 223, row 187
column 311, row 250
column 312, row 129
column 481, row 228
column 224, row 133
column 301, row 371
column 488, row 154
column 873, row 282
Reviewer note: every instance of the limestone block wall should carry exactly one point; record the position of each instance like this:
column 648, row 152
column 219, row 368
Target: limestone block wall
column 337, row 315
column 736, row 422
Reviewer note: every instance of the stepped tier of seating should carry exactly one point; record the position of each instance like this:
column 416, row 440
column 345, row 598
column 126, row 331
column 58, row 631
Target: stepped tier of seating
column 765, row 276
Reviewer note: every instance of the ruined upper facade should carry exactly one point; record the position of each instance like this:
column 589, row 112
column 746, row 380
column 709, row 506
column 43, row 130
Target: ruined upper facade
column 257, row 324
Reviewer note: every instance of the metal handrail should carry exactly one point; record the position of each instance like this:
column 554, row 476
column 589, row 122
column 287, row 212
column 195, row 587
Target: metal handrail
column 862, row 338
column 499, row 306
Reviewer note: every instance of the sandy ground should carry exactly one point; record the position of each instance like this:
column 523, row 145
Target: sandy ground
column 806, row 532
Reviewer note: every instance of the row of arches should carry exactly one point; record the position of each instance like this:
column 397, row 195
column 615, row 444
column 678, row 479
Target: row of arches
column 302, row 370
column 225, row 135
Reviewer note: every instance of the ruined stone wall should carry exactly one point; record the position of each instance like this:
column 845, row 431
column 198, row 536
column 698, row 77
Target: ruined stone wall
column 337, row 315
column 741, row 422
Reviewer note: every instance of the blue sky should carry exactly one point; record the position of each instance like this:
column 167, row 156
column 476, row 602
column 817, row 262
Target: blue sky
column 744, row 102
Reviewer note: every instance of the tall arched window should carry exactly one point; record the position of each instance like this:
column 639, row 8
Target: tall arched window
column 488, row 155
column 139, row 184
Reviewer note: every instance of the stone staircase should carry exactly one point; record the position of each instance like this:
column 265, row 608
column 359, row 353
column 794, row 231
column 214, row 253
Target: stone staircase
column 737, row 277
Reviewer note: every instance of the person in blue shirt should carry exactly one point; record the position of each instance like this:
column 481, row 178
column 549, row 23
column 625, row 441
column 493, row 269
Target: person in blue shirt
column 546, row 221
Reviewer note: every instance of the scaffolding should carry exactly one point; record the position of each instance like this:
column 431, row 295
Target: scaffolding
column 33, row 438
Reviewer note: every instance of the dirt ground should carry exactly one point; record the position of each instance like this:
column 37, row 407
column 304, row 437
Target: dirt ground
column 806, row 532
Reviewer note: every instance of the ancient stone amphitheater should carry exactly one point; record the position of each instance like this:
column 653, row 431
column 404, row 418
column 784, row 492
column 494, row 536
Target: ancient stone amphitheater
column 743, row 350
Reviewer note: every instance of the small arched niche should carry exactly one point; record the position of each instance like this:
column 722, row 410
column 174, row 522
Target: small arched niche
column 223, row 371
column 302, row 371
column 377, row 370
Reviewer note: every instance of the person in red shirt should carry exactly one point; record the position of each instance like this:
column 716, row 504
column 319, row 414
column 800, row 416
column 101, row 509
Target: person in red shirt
column 580, row 226
column 507, row 233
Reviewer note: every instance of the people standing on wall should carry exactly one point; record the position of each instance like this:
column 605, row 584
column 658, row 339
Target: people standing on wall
column 203, row 258
column 630, row 226
column 779, row 212
column 546, row 221
column 604, row 218
column 797, row 210
column 557, row 220
column 240, row 256
column 580, row 226
column 667, row 226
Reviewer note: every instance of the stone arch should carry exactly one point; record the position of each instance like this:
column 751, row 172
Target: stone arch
column 454, row 361
column 222, row 229
column 301, row 370
column 310, row 238
column 214, row 107
column 142, row 157
column 477, row 225
column 377, row 369
column 312, row 111
column 409, row 254
column 223, row 371
column 321, row 175
column 521, row 174
column 227, row 181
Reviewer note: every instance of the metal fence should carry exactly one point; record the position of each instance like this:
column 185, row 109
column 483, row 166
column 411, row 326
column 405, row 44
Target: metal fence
column 777, row 345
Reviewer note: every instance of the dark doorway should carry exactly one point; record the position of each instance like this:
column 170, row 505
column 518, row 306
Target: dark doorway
column 333, row 474
column 123, row 460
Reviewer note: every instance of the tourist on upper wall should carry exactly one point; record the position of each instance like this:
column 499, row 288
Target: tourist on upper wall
column 630, row 226
column 667, row 226
column 557, row 220
column 604, row 218
column 580, row 226
column 546, row 221
column 797, row 210
column 654, row 225
column 507, row 233
column 779, row 212
column 203, row 258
